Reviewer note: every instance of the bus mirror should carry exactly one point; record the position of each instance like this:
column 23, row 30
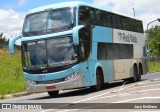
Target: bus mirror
column 76, row 34
column 11, row 44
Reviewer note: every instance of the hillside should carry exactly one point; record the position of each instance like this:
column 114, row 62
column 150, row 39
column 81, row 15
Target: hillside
column 11, row 75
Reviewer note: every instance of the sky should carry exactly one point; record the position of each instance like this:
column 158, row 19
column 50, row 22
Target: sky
column 12, row 12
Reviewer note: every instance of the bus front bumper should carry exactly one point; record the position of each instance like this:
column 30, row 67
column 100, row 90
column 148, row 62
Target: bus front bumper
column 75, row 82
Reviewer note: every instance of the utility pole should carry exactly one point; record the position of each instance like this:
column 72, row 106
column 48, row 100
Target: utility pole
column 133, row 12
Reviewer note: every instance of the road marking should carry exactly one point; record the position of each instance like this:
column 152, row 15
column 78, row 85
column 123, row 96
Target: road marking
column 112, row 102
column 135, row 84
column 47, row 110
column 92, row 97
column 109, row 92
column 152, row 73
column 123, row 94
column 148, row 81
column 150, row 85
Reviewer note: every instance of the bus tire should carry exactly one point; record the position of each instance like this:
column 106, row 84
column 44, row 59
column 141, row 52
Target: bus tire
column 98, row 85
column 135, row 74
column 140, row 72
column 53, row 93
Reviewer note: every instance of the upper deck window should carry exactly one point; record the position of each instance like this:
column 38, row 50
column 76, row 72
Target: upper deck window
column 46, row 22
column 92, row 16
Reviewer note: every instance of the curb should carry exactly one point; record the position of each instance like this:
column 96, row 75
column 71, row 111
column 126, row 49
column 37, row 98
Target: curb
column 14, row 95
column 21, row 94
column 153, row 72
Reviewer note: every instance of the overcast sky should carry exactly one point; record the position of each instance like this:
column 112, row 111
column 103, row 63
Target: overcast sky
column 12, row 12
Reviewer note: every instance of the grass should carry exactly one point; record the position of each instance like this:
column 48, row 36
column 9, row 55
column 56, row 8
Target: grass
column 154, row 66
column 11, row 75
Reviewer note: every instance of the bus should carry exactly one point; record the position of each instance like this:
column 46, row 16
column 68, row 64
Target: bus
column 76, row 45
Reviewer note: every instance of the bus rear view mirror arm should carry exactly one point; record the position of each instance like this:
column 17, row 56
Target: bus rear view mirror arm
column 76, row 34
column 11, row 44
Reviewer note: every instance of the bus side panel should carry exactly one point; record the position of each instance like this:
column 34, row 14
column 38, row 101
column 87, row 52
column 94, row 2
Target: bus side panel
column 138, row 51
column 122, row 68
column 100, row 34
column 85, row 73
column 107, row 70
column 92, row 72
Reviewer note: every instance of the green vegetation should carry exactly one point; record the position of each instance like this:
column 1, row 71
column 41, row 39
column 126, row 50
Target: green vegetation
column 154, row 46
column 11, row 75
column 154, row 66
column 154, row 40
column 3, row 39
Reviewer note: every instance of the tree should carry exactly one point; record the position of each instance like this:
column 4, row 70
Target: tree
column 3, row 39
column 154, row 40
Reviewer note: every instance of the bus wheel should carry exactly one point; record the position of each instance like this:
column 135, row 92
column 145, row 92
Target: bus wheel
column 53, row 93
column 135, row 73
column 140, row 73
column 98, row 86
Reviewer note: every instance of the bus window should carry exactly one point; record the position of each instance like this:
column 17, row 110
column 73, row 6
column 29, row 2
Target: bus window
column 85, row 43
column 112, row 51
column 118, row 22
column 104, row 19
column 101, row 52
column 84, row 15
column 87, row 16
column 111, row 21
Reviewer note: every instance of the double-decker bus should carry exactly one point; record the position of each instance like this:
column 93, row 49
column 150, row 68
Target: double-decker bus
column 76, row 45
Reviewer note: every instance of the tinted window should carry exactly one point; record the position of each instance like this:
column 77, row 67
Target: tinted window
column 88, row 15
column 111, row 51
column 85, row 43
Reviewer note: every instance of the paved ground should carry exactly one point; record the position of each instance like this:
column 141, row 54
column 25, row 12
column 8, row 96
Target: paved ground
column 137, row 96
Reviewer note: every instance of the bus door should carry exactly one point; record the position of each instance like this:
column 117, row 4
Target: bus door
column 84, row 63
column 85, row 50
column 85, row 74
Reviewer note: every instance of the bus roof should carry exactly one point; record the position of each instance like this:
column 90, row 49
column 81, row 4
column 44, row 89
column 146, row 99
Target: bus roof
column 58, row 5
column 72, row 4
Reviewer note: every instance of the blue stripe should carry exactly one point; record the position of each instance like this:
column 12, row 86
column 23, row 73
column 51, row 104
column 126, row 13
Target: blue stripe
column 102, row 34
column 52, row 76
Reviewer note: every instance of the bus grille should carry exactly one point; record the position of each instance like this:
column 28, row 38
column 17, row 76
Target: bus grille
column 50, row 81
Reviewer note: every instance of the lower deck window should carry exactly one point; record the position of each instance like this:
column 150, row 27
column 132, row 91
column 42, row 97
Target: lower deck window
column 112, row 51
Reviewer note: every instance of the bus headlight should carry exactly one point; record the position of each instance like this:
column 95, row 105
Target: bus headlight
column 72, row 76
column 30, row 82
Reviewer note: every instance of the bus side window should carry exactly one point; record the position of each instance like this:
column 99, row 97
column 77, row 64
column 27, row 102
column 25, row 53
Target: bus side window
column 118, row 22
column 85, row 43
column 111, row 21
column 82, row 51
column 93, row 16
column 84, row 15
column 87, row 16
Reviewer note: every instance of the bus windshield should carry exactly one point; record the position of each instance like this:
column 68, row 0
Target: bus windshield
column 48, row 53
column 46, row 22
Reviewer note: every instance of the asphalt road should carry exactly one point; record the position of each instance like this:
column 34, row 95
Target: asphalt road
column 133, row 97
